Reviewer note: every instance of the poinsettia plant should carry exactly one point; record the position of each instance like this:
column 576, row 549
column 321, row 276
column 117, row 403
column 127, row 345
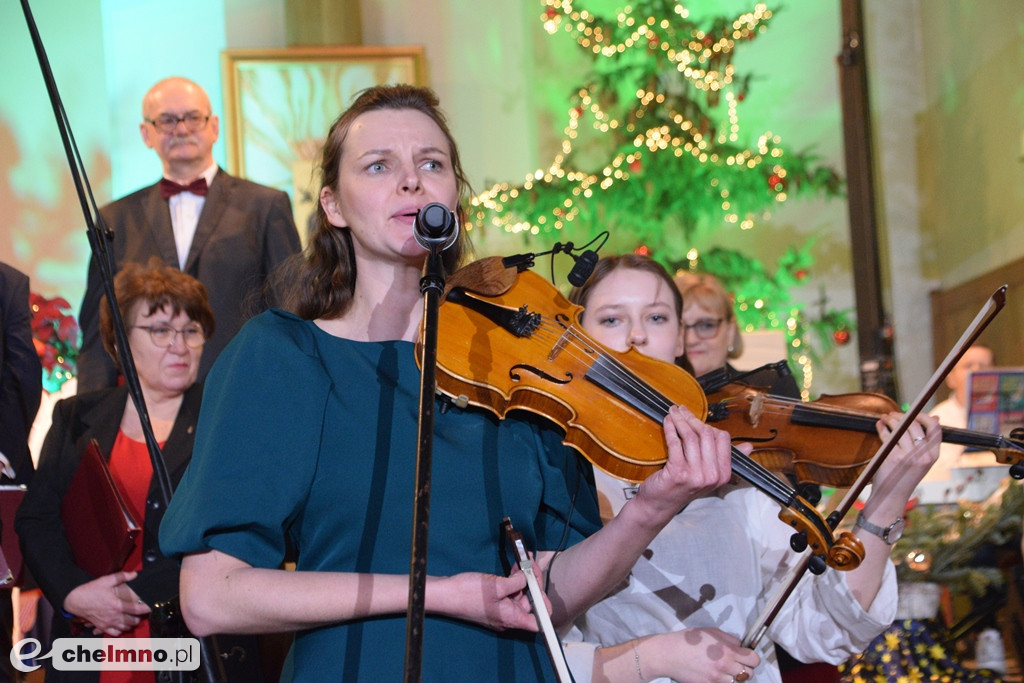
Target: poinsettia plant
column 55, row 335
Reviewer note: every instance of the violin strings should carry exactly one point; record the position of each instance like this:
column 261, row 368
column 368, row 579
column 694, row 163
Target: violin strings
column 780, row 405
column 613, row 369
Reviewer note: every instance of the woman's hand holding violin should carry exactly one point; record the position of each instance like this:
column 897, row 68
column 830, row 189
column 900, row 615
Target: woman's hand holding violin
column 107, row 605
column 891, row 489
column 698, row 463
column 908, row 463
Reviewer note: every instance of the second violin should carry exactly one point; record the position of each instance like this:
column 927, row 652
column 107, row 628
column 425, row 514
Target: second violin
column 827, row 441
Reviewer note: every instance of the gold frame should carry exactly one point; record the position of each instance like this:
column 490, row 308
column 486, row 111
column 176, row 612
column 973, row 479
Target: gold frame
column 280, row 103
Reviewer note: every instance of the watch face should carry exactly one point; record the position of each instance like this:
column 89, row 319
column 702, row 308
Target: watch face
column 895, row 531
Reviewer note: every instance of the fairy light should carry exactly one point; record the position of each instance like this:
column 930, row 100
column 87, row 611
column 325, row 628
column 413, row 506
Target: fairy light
column 702, row 58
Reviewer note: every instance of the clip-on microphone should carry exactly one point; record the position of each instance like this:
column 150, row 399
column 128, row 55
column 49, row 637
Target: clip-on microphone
column 581, row 270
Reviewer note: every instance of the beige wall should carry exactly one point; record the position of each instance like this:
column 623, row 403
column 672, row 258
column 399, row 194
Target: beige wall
column 970, row 139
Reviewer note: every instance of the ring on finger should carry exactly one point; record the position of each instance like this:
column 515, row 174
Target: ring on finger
column 742, row 675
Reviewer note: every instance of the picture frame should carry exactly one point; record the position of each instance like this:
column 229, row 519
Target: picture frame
column 280, row 103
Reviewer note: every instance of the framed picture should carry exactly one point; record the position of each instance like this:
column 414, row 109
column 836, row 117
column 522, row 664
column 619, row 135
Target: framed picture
column 280, row 103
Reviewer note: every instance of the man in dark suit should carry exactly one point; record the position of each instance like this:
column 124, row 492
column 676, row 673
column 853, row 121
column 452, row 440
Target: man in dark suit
column 227, row 232
column 21, row 390
column 21, row 374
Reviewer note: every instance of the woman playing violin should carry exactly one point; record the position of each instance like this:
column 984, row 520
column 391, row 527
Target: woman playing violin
column 702, row 582
column 308, row 440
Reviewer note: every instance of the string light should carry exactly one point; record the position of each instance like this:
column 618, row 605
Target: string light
column 702, row 58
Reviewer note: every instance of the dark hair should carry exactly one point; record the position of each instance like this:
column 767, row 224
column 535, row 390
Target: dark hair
column 707, row 291
column 323, row 278
column 607, row 264
column 155, row 285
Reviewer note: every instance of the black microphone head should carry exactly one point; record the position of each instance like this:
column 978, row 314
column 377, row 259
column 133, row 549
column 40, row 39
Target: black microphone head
column 436, row 227
column 585, row 264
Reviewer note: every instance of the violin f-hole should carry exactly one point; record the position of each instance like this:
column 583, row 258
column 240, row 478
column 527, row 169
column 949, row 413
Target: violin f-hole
column 514, row 376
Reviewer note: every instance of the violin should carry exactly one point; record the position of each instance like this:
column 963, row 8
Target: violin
column 509, row 340
column 828, row 441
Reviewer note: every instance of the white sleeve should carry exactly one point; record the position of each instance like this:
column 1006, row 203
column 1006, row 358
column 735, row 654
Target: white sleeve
column 579, row 655
column 822, row 620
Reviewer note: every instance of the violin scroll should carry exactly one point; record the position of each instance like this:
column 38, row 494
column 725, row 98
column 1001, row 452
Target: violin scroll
column 1013, row 456
column 843, row 553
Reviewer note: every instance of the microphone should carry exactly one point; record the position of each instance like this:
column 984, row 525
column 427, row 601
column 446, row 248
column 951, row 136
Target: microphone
column 583, row 269
column 436, row 228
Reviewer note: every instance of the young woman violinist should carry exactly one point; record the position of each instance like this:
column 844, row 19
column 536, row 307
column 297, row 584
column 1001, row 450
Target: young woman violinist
column 703, row 581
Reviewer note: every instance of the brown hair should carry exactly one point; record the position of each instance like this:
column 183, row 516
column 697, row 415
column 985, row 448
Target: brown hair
column 155, row 285
column 323, row 279
column 606, row 265
column 707, row 291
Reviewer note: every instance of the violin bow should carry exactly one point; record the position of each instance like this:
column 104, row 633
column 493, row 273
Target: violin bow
column 540, row 610
column 988, row 311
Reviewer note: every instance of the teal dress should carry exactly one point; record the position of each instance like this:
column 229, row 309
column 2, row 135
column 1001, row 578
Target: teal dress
column 309, row 441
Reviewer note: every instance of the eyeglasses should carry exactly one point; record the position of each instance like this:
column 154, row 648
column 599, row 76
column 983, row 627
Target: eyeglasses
column 167, row 123
column 164, row 335
column 705, row 328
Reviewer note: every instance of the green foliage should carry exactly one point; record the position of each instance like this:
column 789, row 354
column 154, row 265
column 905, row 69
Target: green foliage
column 652, row 145
column 940, row 541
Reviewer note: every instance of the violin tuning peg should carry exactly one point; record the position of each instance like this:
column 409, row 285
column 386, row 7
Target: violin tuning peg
column 1017, row 471
column 817, row 564
column 798, row 542
column 811, row 493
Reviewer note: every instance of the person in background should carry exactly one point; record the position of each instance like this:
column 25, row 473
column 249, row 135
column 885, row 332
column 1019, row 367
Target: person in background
column 323, row 408
column 168, row 321
column 713, row 335
column 952, row 412
column 21, row 376
column 21, row 390
column 227, row 232
column 702, row 582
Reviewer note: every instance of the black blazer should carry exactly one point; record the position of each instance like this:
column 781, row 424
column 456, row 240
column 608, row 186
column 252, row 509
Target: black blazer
column 245, row 230
column 21, row 373
column 96, row 415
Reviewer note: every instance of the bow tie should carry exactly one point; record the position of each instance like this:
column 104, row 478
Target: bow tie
column 169, row 188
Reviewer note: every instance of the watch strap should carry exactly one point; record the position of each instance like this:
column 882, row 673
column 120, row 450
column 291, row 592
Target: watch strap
column 881, row 532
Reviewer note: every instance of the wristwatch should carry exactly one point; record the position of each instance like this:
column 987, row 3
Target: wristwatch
column 890, row 534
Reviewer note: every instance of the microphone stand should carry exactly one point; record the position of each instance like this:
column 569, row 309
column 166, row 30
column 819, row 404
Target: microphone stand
column 98, row 239
column 431, row 286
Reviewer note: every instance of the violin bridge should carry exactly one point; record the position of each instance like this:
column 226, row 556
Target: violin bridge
column 756, row 408
column 559, row 345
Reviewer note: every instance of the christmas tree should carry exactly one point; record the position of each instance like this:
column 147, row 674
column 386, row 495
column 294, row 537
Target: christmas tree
column 653, row 150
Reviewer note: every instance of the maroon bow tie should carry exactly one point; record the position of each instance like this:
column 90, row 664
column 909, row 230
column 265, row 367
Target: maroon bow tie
column 169, row 188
